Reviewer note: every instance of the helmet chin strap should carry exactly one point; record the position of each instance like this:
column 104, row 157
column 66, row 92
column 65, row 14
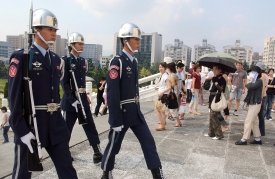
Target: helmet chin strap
column 76, row 50
column 49, row 43
column 130, row 47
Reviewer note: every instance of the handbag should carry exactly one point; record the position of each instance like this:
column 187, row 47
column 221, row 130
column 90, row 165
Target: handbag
column 219, row 106
column 172, row 100
column 206, row 84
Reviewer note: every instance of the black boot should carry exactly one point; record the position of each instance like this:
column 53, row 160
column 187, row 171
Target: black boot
column 157, row 173
column 97, row 155
column 107, row 175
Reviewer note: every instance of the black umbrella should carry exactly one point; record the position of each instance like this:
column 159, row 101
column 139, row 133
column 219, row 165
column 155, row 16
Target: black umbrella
column 209, row 62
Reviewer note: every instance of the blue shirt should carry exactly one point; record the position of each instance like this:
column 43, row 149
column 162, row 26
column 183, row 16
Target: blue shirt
column 128, row 55
column 42, row 50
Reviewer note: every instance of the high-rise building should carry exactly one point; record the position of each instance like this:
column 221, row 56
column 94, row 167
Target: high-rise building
column 5, row 50
column 269, row 52
column 149, row 49
column 16, row 41
column 256, row 57
column 92, row 51
column 105, row 60
column 202, row 50
column 178, row 51
column 244, row 54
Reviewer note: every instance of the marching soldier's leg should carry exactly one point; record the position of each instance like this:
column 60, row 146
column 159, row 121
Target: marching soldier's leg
column 70, row 118
column 112, row 148
column 92, row 135
column 20, row 167
column 61, row 158
column 149, row 149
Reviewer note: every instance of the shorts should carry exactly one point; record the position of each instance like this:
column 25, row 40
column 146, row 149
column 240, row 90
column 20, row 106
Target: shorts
column 173, row 112
column 237, row 94
column 161, row 107
column 182, row 109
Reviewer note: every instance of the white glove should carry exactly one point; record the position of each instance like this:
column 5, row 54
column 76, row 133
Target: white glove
column 75, row 105
column 118, row 129
column 26, row 139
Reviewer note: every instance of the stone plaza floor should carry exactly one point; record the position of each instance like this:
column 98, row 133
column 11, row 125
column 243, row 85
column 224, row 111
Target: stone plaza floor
column 184, row 152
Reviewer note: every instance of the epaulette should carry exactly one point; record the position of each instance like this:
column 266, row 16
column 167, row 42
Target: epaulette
column 19, row 49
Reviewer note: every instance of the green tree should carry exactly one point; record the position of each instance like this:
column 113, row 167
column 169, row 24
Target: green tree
column 144, row 72
column 154, row 68
column 245, row 66
column 6, row 90
column 3, row 70
column 252, row 64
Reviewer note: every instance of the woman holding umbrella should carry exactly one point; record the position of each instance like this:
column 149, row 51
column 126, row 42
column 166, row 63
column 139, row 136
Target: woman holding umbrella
column 218, row 87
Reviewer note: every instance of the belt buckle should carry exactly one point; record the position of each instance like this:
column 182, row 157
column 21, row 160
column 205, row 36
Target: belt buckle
column 81, row 90
column 52, row 107
column 136, row 98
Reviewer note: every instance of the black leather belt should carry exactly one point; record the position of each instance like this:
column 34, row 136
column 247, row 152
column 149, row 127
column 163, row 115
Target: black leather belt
column 133, row 100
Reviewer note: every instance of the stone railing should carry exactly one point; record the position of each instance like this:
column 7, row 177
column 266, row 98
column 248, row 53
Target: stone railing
column 146, row 93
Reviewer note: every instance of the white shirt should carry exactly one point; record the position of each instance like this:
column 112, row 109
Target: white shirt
column 202, row 77
column 210, row 75
column 162, row 83
column 188, row 83
column 6, row 113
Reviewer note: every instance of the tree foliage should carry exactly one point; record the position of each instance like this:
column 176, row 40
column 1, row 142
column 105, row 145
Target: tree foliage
column 245, row 66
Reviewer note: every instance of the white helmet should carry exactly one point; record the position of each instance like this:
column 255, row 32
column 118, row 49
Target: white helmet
column 44, row 17
column 76, row 37
column 129, row 30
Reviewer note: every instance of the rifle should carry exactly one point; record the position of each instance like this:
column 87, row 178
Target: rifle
column 81, row 115
column 35, row 158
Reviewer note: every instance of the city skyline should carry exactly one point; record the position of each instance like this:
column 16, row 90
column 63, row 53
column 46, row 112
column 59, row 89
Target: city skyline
column 191, row 21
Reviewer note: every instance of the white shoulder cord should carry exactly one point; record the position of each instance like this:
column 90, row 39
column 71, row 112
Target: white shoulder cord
column 62, row 68
column 87, row 65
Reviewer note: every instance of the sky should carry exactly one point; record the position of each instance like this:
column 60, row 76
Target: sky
column 221, row 22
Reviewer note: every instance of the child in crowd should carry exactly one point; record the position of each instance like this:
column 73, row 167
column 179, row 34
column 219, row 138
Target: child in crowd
column 105, row 100
column 188, row 83
column 182, row 108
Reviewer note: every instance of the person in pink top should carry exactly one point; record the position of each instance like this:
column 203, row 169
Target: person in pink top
column 182, row 108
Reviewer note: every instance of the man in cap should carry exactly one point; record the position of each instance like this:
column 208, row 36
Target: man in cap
column 79, row 66
column 45, row 72
column 124, row 107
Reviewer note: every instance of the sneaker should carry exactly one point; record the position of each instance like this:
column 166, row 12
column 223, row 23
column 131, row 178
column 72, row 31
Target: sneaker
column 216, row 138
column 235, row 113
column 206, row 135
column 270, row 119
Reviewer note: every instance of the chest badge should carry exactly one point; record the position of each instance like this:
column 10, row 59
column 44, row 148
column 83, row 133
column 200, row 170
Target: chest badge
column 72, row 65
column 37, row 64
column 128, row 68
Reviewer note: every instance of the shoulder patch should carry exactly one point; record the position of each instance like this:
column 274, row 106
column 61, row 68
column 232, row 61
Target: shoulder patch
column 12, row 71
column 114, row 66
column 14, row 60
column 113, row 74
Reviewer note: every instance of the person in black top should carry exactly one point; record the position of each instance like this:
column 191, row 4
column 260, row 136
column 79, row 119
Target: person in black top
column 100, row 99
column 217, row 88
column 270, row 92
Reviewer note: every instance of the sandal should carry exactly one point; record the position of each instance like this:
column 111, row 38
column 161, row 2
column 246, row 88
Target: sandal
column 178, row 125
column 171, row 118
column 197, row 113
column 190, row 111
